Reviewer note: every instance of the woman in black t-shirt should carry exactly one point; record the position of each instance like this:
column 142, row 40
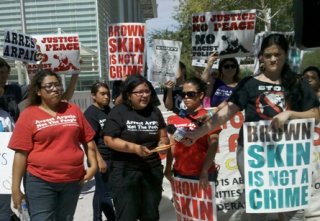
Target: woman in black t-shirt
column 275, row 94
column 132, row 130
column 96, row 114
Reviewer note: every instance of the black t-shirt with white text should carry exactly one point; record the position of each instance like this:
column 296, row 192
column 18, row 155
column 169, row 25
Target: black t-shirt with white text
column 262, row 100
column 136, row 126
column 97, row 119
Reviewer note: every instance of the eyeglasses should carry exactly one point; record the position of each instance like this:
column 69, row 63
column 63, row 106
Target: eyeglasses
column 189, row 94
column 141, row 93
column 51, row 86
column 228, row 66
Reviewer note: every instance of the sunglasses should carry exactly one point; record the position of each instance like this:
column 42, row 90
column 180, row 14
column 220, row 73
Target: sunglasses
column 228, row 66
column 189, row 94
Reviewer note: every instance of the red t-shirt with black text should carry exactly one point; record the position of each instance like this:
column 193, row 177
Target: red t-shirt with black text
column 189, row 160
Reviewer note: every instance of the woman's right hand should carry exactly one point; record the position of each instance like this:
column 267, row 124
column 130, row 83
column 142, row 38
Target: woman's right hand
column 142, row 151
column 169, row 84
column 17, row 197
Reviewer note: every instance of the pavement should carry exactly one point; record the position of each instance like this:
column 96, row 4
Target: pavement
column 84, row 208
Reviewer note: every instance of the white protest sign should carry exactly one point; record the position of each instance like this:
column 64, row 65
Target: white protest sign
column 193, row 203
column 165, row 60
column 19, row 46
column 61, row 53
column 231, row 33
column 126, row 47
column 278, row 166
column 6, row 161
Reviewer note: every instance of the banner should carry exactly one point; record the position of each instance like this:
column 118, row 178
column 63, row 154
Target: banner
column 191, row 202
column 313, row 210
column 278, row 166
column 6, row 161
column 165, row 60
column 126, row 47
column 231, row 33
column 61, row 53
column 19, row 46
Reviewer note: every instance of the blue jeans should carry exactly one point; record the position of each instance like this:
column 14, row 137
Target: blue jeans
column 5, row 210
column 51, row 201
column 102, row 200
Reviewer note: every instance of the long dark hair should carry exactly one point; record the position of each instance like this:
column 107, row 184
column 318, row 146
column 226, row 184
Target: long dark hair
column 201, row 85
column 35, row 86
column 289, row 79
column 236, row 77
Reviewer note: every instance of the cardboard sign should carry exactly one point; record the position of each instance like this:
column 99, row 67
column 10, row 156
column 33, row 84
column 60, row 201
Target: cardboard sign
column 6, row 161
column 19, row 46
column 126, row 47
column 230, row 33
column 278, row 166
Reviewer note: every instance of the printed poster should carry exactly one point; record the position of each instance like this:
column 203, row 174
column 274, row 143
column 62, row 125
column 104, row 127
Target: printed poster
column 126, row 48
column 165, row 60
column 61, row 53
column 6, row 161
column 278, row 166
column 19, row 46
column 230, row 33
column 191, row 202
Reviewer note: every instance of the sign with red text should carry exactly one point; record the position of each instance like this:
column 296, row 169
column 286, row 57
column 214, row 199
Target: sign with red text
column 165, row 60
column 278, row 166
column 230, row 33
column 19, row 46
column 6, row 161
column 193, row 203
column 126, row 47
column 312, row 212
column 61, row 53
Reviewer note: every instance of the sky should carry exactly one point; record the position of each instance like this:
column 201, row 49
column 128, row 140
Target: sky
column 164, row 19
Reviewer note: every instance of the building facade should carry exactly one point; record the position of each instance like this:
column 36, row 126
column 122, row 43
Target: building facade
column 88, row 18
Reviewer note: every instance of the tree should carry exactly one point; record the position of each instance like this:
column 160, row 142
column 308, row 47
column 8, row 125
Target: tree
column 280, row 15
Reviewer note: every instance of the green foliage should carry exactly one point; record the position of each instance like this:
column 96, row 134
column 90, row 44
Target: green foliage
column 310, row 59
column 281, row 19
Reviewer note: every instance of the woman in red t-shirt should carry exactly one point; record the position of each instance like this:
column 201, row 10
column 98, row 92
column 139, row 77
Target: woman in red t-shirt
column 46, row 141
column 197, row 161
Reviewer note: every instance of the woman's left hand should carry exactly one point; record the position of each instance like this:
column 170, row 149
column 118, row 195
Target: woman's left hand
column 279, row 120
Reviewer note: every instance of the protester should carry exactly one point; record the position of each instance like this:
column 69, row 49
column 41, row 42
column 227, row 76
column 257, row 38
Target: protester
column 171, row 96
column 195, row 162
column 132, row 130
column 10, row 96
column 46, row 141
column 96, row 114
column 312, row 75
column 295, row 100
column 11, row 93
column 220, row 88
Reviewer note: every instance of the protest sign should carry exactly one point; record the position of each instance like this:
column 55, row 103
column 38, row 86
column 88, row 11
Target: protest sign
column 191, row 202
column 6, row 161
column 278, row 166
column 61, row 53
column 126, row 47
column 165, row 60
column 312, row 212
column 19, row 46
column 231, row 33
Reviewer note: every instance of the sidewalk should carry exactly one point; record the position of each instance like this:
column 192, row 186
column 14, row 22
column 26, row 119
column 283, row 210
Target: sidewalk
column 84, row 207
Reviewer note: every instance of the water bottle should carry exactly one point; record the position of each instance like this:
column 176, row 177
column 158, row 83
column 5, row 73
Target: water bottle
column 179, row 134
column 24, row 215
